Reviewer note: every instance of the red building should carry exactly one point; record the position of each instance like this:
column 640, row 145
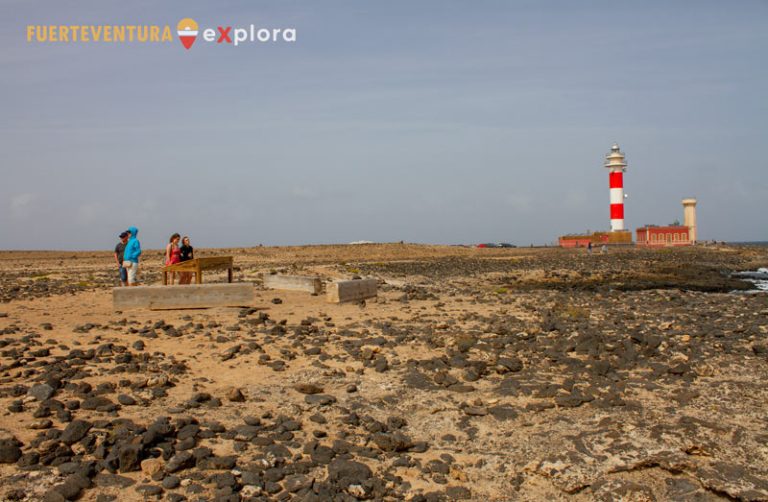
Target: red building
column 674, row 235
column 621, row 237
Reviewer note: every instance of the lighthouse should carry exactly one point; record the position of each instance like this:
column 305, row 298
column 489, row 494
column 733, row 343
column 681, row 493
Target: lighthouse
column 689, row 218
column 618, row 236
column 616, row 165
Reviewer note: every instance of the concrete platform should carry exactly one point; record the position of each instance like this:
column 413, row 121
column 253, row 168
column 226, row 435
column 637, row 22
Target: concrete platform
column 293, row 283
column 351, row 291
column 183, row 297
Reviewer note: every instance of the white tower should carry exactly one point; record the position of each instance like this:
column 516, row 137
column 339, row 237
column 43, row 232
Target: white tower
column 616, row 164
column 689, row 218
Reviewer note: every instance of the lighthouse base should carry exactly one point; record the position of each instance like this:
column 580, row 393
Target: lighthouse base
column 617, row 238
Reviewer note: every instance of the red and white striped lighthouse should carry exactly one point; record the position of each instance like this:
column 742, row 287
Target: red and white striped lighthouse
column 616, row 164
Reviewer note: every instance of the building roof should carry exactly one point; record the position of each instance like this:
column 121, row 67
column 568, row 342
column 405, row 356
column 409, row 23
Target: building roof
column 666, row 227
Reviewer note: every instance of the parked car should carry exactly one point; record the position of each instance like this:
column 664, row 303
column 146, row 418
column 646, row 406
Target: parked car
column 488, row 245
column 506, row 245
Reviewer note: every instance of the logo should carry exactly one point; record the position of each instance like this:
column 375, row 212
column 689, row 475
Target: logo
column 187, row 32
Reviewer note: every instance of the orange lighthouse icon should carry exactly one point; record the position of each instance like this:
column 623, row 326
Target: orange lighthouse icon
column 187, row 31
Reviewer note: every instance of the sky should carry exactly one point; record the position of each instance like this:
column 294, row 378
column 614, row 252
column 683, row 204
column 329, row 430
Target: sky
column 436, row 121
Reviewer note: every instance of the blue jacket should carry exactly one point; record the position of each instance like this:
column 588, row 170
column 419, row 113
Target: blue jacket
column 132, row 247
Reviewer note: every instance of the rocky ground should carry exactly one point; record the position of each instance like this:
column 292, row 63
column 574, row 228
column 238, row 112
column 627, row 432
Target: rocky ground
column 477, row 374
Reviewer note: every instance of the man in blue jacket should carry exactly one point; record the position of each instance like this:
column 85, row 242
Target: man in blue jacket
column 131, row 255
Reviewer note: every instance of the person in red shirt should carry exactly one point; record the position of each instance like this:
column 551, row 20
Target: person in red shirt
column 173, row 254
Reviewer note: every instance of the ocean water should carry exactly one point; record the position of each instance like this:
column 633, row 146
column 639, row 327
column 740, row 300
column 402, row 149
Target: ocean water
column 758, row 277
column 762, row 284
column 750, row 243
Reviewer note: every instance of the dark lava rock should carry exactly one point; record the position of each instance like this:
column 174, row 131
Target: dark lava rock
column 28, row 459
column 10, row 450
column 41, row 424
column 201, row 453
column 53, row 496
column 186, row 444
column 322, row 455
column 218, row 463
column 572, row 400
column 171, row 482
column 126, row 400
column 107, row 479
column 308, row 388
column 188, row 431
column 99, row 403
column 348, row 472
column 393, row 442
column 394, row 423
column 318, row 418
column 41, row 391
column 224, row 479
column 130, row 458
column 180, row 461
column 236, row 396
column 319, row 399
column 298, row 482
column 75, row 431
column 418, row 380
column 149, row 490
column 475, row 411
column 381, row 364
column 510, row 364
column 472, row 375
column 72, row 486
column 503, row 412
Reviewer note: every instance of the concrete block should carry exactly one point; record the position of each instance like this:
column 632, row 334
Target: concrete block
column 351, row 291
column 293, row 283
column 183, row 297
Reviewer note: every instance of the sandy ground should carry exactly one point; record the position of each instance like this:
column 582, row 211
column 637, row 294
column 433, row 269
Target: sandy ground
column 521, row 374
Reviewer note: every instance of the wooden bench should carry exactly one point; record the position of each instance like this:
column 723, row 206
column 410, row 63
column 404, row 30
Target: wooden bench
column 198, row 265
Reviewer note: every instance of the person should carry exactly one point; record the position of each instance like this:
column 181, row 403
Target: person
column 173, row 254
column 131, row 256
column 119, row 258
column 187, row 252
column 604, row 249
column 589, row 247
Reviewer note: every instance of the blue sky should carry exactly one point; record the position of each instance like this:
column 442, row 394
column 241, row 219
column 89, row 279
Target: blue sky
column 432, row 121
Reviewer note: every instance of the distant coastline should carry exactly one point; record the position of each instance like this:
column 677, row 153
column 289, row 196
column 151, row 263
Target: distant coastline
column 749, row 243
